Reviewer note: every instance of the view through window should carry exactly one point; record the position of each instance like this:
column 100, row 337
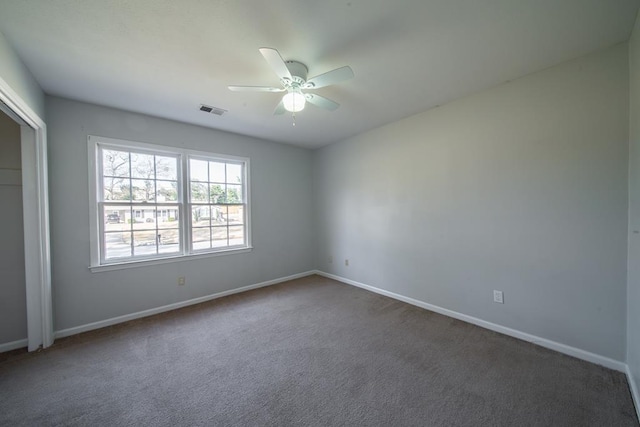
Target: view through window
column 143, row 194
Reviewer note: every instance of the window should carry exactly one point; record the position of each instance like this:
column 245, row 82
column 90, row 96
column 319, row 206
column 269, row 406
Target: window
column 216, row 200
column 154, row 202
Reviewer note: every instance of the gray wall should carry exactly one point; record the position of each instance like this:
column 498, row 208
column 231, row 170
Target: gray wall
column 281, row 203
column 14, row 72
column 13, row 302
column 633, row 296
column 520, row 188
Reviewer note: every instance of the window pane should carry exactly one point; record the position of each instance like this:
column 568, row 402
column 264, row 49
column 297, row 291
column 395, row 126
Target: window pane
column 167, row 191
column 168, row 241
column 128, row 216
column 114, row 218
column 234, row 194
column 116, row 189
column 117, row 245
column 115, row 163
column 144, row 242
column 236, row 236
column 219, row 237
column 198, row 246
column 144, row 218
column 198, row 170
column 201, row 238
column 217, row 193
column 167, row 168
column 144, row 190
column 234, row 173
column 142, row 166
column 167, row 217
column 200, row 216
column 235, row 215
column 219, row 215
column 199, row 192
column 216, row 172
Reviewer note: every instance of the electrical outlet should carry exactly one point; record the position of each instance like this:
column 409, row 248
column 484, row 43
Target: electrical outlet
column 498, row 297
column 346, row 262
column 330, row 259
column 181, row 281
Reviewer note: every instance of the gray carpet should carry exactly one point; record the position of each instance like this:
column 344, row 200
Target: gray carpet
column 307, row 352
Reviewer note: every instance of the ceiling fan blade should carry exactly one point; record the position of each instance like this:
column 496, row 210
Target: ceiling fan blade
column 276, row 62
column 329, row 78
column 321, row 101
column 279, row 109
column 256, row 89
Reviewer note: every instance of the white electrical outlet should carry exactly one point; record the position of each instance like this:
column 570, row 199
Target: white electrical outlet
column 346, row 262
column 181, row 281
column 498, row 297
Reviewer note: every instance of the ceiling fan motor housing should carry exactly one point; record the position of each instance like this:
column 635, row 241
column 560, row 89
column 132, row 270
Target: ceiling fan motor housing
column 298, row 72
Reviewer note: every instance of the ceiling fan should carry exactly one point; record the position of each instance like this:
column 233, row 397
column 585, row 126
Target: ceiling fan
column 293, row 76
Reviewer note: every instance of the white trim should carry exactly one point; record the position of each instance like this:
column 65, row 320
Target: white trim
column 9, row 112
column 543, row 342
column 35, row 199
column 30, row 217
column 13, row 345
column 634, row 390
column 120, row 319
column 18, row 106
column 94, row 232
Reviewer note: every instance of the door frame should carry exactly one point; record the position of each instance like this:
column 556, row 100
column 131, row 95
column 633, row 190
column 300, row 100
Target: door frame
column 35, row 205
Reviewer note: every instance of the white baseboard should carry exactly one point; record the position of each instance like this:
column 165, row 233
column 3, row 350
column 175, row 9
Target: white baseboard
column 120, row 319
column 634, row 390
column 553, row 345
column 13, row 345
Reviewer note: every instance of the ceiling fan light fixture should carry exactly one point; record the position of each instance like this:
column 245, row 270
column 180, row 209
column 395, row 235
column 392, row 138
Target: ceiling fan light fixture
column 294, row 101
column 293, row 79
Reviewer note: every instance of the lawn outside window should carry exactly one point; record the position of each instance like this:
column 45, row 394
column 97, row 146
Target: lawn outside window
column 154, row 203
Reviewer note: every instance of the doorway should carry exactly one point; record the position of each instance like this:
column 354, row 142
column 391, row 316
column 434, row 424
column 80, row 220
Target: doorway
column 35, row 220
column 13, row 295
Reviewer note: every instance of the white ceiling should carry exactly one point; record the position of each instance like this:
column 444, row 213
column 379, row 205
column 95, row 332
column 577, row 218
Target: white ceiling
column 166, row 57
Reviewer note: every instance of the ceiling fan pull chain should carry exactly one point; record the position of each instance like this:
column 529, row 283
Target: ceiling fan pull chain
column 293, row 115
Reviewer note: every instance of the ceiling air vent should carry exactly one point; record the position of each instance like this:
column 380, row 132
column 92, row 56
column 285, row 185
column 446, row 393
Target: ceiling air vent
column 212, row 110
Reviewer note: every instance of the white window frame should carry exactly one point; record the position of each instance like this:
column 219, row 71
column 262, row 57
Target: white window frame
column 96, row 224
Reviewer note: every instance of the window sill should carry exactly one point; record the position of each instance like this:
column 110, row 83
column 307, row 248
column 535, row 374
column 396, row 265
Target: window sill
column 167, row 260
